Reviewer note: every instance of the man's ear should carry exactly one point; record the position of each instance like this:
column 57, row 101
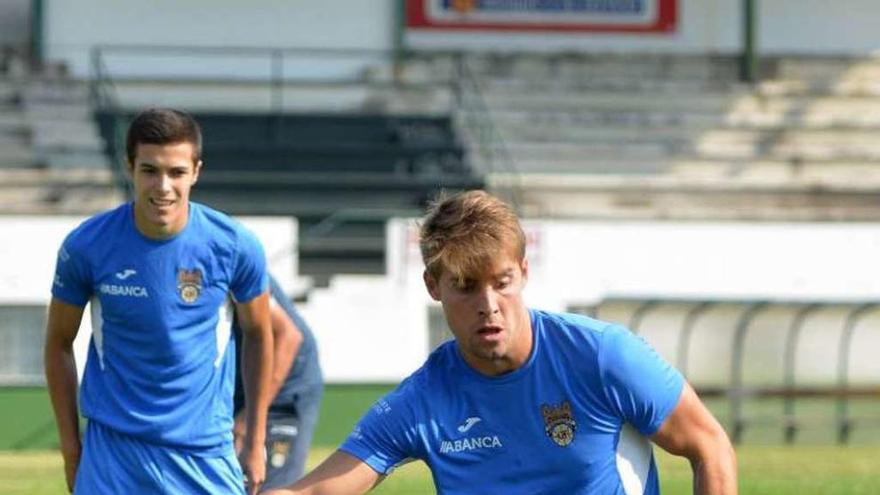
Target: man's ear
column 525, row 270
column 432, row 285
column 197, row 169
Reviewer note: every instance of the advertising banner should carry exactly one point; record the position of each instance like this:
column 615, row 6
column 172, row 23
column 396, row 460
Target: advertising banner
column 586, row 16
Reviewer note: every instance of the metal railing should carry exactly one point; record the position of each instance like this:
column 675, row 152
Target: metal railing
column 737, row 391
column 477, row 119
column 270, row 71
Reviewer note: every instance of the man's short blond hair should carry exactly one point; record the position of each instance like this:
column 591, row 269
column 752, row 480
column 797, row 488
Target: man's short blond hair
column 464, row 233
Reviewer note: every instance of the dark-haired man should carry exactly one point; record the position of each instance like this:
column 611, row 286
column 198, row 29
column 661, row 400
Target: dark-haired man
column 160, row 274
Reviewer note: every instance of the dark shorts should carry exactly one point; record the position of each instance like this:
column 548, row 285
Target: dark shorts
column 289, row 433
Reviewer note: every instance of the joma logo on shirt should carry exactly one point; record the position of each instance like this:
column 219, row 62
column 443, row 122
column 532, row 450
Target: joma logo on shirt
column 123, row 290
column 468, row 444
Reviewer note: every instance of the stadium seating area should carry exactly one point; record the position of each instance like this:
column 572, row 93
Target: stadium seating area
column 661, row 136
column 52, row 158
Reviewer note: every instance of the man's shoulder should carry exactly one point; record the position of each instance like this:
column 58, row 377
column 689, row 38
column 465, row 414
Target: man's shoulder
column 214, row 223
column 96, row 227
column 571, row 325
column 430, row 377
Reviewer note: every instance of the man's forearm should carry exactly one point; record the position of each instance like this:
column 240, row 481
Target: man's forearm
column 257, row 353
column 60, row 368
column 286, row 341
column 716, row 476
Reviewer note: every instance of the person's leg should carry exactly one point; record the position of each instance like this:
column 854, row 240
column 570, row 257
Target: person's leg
column 288, row 440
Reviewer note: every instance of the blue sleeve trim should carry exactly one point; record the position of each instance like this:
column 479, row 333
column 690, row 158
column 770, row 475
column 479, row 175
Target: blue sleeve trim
column 366, row 456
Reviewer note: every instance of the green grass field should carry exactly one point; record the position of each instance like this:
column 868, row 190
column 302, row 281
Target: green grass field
column 28, row 466
column 763, row 470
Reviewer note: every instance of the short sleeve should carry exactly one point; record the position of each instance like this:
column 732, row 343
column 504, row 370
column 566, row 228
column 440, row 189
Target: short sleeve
column 640, row 385
column 384, row 437
column 72, row 283
column 249, row 279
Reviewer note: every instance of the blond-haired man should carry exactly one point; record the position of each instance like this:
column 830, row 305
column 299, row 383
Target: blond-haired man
column 524, row 401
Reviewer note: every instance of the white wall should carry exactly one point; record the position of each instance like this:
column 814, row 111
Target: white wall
column 704, row 26
column 375, row 329
column 368, row 328
column 15, row 18
column 26, row 275
column 72, row 28
column 819, row 26
column 592, row 261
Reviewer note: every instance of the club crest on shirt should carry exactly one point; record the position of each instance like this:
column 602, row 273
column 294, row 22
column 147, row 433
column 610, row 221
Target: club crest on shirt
column 189, row 284
column 278, row 453
column 559, row 423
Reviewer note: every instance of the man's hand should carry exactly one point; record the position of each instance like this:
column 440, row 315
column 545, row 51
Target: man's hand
column 71, row 464
column 253, row 463
column 239, row 429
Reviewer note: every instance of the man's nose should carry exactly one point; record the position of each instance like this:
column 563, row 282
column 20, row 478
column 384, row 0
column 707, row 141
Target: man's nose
column 487, row 303
column 164, row 182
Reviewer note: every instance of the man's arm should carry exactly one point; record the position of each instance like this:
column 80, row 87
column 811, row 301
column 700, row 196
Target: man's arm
column 339, row 474
column 253, row 317
column 286, row 340
column 60, row 367
column 691, row 431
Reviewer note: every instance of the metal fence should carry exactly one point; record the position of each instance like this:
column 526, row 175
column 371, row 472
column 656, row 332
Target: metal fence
column 752, row 350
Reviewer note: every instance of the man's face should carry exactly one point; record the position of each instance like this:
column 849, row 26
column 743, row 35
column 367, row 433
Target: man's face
column 162, row 175
column 486, row 314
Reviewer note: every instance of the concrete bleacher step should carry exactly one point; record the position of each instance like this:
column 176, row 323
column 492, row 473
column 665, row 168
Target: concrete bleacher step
column 716, row 103
column 67, row 135
column 46, row 191
column 17, row 154
column 578, row 66
column 53, row 200
column 9, row 92
column 42, row 111
column 829, row 68
column 299, row 98
column 649, row 119
column 63, row 92
column 653, row 150
column 18, row 177
column 842, row 87
column 75, row 159
column 556, row 131
column 854, row 173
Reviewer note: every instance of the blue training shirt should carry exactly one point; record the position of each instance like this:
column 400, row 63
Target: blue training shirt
column 558, row 424
column 159, row 366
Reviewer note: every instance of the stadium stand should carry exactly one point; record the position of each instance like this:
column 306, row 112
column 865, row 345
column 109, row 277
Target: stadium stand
column 52, row 158
column 341, row 153
column 677, row 136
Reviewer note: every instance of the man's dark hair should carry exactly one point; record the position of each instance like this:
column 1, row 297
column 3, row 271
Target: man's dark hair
column 163, row 126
